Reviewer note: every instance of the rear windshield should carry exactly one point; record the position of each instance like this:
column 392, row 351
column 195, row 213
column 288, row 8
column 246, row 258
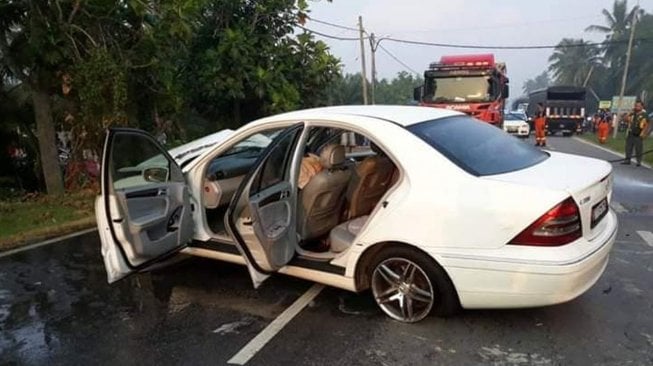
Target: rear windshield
column 478, row 147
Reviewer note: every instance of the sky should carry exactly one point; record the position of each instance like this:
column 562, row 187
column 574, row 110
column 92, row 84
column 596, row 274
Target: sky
column 477, row 22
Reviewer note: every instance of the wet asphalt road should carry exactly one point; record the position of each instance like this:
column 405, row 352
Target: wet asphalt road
column 56, row 308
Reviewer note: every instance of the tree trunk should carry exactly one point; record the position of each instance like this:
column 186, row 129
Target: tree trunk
column 47, row 143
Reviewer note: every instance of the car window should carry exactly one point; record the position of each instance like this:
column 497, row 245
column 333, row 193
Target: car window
column 477, row 147
column 353, row 142
column 137, row 161
column 275, row 166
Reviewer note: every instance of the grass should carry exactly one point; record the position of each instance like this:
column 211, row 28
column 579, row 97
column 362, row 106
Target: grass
column 618, row 144
column 37, row 217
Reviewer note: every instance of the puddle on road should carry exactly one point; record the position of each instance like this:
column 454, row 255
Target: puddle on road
column 55, row 301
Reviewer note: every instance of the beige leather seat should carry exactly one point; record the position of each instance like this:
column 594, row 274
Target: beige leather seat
column 371, row 179
column 322, row 199
column 342, row 236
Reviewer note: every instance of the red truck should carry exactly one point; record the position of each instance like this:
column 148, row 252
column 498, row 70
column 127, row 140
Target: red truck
column 474, row 84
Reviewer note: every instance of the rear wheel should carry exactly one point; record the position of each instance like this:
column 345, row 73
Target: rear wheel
column 408, row 286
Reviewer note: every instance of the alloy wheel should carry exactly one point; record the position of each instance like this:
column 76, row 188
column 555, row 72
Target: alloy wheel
column 402, row 290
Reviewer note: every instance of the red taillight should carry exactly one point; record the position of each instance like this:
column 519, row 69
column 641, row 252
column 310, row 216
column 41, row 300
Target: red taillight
column 560, row 226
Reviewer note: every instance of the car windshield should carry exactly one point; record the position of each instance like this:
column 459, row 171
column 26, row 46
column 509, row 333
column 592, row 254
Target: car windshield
column 459, row 89
column 477, row 147
column 513, row 117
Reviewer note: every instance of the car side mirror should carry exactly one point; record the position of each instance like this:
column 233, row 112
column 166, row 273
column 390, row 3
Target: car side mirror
column 506, row 91
column 418, row 92
column 156, row 174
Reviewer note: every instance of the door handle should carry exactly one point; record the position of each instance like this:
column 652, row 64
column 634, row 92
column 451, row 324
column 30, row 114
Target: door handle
column 162, row 192
column 284, row 194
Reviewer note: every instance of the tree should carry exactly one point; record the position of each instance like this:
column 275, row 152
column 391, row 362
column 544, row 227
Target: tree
column 91, row 48
column 398, row 90
column 540, row 81
column 641, row 75
column 616, row 29
column 245, row 62
column 573, row 60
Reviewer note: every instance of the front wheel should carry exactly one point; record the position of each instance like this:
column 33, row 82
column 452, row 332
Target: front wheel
column 407, row 286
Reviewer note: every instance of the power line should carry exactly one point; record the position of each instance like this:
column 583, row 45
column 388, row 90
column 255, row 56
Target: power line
column 482, row 47
column 329, row 35
column 398, row 60
column 494, row 47
column 333, row 24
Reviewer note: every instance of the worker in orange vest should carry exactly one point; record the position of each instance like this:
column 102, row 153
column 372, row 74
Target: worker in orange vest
column 604, row 128
column 540, row 126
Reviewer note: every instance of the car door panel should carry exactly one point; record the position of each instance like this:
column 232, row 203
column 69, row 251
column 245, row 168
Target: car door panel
column 142, row 219
column 261, row 216
column 272, row 223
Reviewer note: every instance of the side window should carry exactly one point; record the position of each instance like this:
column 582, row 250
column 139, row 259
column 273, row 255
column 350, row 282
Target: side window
column 275, row 167
column 137, row 161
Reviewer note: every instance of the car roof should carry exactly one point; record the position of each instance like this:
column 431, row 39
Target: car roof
column 402, row 115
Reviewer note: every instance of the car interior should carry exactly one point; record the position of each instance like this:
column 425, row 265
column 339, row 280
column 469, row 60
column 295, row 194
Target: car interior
column 352, row 176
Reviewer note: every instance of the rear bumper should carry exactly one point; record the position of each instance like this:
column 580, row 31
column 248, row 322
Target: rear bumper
column 564, row 125
column 517, row 284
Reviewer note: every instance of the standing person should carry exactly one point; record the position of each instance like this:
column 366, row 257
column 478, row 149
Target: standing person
column 635, row 133
column 540, row 126
column 604, row 128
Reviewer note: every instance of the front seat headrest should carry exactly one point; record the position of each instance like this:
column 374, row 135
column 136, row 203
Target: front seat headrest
column 332, row 155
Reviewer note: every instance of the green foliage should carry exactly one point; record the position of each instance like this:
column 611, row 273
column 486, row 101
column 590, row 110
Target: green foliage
column 247, row 63
column 573, row 60
column 101, row 86
column 572, row 65
column 348, row 89
column 183, row 67
column 540, row 81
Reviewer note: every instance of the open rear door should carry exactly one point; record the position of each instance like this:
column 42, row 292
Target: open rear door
column 144, row 212
column 262, row 214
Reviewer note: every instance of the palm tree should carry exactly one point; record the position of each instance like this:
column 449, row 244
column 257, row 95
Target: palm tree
column 572, row 60
column 616, row 28
column 540, row 81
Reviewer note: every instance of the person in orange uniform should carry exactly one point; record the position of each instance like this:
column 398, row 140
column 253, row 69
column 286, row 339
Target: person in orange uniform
column 540, row 126
column 604, row 129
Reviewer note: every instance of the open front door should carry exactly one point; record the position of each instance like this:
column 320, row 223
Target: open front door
column 262, row 214
column 144, row 212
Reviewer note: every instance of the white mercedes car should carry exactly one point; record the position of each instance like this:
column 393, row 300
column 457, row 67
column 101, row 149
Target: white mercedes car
column 430, row 209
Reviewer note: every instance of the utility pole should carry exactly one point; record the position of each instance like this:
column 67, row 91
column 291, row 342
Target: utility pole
column 587, row 78
column 373, row 51
column 625, row 76
column 364, row 72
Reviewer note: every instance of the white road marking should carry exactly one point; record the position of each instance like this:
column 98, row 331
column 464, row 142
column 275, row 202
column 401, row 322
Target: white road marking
column 647, row 236
column 618, row 207
column 606, row 150
column 49, row 241
column 255, row 345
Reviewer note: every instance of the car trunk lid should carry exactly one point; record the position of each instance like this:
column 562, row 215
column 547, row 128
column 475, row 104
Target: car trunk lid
column 588, row 181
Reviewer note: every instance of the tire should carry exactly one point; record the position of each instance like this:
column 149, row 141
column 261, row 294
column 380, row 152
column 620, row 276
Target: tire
column 402, row 279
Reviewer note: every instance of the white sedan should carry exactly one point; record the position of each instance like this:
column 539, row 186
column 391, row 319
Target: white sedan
column 430, row 209
column 516, row 124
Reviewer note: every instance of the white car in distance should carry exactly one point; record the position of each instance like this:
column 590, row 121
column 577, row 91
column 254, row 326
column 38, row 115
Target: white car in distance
column 516, row 124
column 430, row 209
